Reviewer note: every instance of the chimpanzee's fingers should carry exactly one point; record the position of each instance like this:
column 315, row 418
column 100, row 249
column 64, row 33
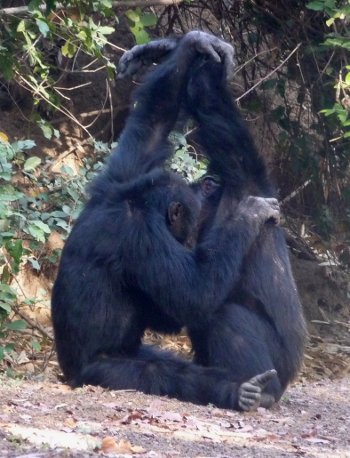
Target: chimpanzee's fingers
column 263, row 379
column 143, row 55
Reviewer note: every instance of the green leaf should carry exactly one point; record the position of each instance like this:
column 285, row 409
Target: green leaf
column 67, row 210
column 16, row 325
column 43, row 27
column 149, row 19
column 44, row 227
column 9, row 194
column 105, row 30
column 35, row 264
column 69, row 49
column 21, row 26
column 23, row 145
column 31, row 163
column 141, row 36
column 9, row 347
column 63, row 224
column 7, row 293
column 316, row 6
column 343, row 116
column 35, row 232
column 133, row 15
column 58, row 214
column 15, row 248
column 36, row 345
column 328, row 111
column 82, row 35
column 46, row 129
column 5, row 307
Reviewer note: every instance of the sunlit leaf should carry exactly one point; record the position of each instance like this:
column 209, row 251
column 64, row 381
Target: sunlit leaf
column 43, row 27
column 4, row 137
column 31, row 163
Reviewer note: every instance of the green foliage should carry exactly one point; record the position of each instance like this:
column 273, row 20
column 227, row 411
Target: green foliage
column 28, row 217
column 138, row 23
column 67, row 27
column 338, row 14
column 305, row 103
column 185, row 161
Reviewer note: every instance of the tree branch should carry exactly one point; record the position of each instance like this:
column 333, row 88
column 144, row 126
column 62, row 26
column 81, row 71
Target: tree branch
column 18, row 10
column 269, row 74
column 32, row 324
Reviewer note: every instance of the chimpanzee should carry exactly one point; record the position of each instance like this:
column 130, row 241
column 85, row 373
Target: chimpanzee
column 260, row 324
column 125, row 266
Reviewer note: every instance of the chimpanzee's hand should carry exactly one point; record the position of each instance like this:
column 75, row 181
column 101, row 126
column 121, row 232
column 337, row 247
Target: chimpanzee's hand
column 208, row 44
column 204, row 43
column 256, row 211
column 140, row 56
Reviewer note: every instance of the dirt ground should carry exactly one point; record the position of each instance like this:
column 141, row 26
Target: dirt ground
column 43, row 419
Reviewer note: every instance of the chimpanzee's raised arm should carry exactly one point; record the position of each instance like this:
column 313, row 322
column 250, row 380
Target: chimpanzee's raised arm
column 222, row 133
column 143, row 143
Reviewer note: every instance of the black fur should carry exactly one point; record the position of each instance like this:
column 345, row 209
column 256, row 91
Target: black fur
column 123, row 271
column 260, row 325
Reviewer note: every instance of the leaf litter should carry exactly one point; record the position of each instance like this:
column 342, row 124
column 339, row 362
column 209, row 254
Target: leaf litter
column 51, row 420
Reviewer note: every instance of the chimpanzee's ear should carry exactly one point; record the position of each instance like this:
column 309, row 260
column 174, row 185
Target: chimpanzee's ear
column 175, row 212
column 209, row 185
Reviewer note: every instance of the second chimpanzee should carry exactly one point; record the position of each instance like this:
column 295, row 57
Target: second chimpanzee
column 260, row 325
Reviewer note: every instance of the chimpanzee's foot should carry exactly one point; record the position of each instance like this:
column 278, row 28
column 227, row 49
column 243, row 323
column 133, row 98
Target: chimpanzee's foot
column 267, row 400
column 250, row 395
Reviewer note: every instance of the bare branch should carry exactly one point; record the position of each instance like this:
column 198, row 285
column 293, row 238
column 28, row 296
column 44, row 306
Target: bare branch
column 269, row 74
column 295, row 192
column 19, row 10
column 31, row 323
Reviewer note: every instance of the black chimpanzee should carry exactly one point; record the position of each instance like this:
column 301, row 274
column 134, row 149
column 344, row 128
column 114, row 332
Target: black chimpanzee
column 125, row 266
column 260, row 324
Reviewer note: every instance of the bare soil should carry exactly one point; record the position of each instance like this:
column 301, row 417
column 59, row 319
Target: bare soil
column 42, row 419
